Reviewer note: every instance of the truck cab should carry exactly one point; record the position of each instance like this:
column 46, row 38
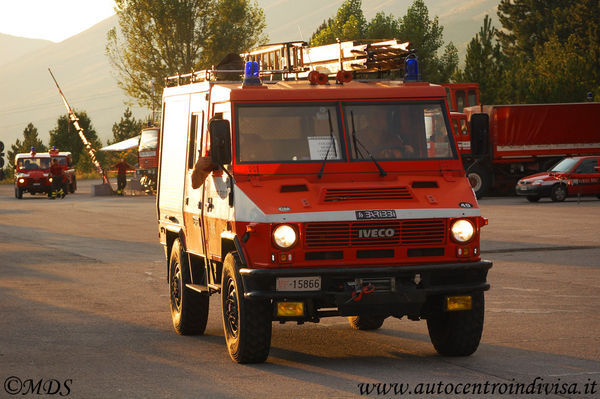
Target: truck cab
column 324, row 200
column 32, row 172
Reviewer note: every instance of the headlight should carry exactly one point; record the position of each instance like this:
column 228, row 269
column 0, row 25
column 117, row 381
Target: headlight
column 21, row 180
column 50, row 180
column 284, row 236
column 462, row 230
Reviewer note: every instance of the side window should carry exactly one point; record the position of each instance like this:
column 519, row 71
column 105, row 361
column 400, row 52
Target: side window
column 460, row 100
column 587, row 166
column 195, row 135
column 472, row 98
column 463, row 127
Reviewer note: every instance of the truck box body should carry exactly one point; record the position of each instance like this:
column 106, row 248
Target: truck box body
column 543, row 130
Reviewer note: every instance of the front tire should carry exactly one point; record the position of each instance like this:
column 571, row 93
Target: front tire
column 559, row 193
column 246, row 322
column 458, row 333
column 189, row 309
column 18, row 192
column 366, row 322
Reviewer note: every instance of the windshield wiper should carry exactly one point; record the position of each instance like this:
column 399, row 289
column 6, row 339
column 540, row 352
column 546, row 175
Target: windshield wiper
column 355, row 139
column 332, row 143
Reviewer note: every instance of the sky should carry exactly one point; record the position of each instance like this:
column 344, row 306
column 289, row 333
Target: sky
column 54, row 20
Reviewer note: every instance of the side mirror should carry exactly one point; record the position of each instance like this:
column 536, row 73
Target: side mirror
column 480, row 134
column 220, row 141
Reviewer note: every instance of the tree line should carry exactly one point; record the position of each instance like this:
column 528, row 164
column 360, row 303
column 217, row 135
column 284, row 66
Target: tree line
column 545, row 51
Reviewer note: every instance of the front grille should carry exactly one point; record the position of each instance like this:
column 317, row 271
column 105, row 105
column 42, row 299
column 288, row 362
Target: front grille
column 370, row 194
column 374, row 233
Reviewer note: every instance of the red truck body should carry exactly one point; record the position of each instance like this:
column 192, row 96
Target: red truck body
column 507, row 142
column 32, row 172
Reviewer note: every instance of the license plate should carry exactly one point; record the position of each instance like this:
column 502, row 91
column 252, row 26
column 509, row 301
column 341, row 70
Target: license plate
column 299, row 283
column 376, row 214
column 36, row 184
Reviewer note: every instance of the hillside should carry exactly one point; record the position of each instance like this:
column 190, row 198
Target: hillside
column 27, row 93
column 12, row 47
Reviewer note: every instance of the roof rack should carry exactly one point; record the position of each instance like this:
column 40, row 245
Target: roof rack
column 294, row 60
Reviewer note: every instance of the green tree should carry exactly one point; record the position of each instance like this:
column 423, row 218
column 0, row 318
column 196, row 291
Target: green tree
column 159, row 38
column 127, row 127
column 348, row 24
column 426, row 36
column 66, row 138
column 552, row 49
column 383, row 26
column 483, row 63
column 30, row 140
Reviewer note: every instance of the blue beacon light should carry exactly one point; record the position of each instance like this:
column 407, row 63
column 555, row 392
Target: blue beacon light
column 411, row 68
column 251, row 74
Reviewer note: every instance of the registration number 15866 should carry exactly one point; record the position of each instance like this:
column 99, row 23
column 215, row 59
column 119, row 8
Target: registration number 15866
column 299, row 283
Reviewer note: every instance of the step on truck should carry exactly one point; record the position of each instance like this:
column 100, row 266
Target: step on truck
column 323, row 199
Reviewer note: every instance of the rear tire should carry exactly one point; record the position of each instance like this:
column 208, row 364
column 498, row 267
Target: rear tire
column 559, row 193
column 247, row 323
column 458, row 333
column 189, row 309
column 366, row 322
column 479, row 178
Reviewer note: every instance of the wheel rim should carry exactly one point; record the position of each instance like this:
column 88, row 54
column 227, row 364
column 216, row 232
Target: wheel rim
column 176, row 289
column 560, row 193
column 475, row 181
column 231, row 309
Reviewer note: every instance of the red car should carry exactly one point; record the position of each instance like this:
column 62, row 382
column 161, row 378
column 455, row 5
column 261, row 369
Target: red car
column 572, row 176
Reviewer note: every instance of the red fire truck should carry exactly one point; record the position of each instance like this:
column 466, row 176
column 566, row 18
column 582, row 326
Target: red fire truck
column 32, row 172
column 325, row 200
column 499, row 144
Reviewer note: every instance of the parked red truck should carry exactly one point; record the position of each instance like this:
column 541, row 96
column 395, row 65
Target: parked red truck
column 148, row 158
column 32, row 172
column 501, row 143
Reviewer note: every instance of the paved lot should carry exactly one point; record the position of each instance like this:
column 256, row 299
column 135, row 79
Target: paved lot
column 84, row 309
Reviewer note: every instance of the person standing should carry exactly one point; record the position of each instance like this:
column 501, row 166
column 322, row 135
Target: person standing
column 122, row 167
column 58, row 174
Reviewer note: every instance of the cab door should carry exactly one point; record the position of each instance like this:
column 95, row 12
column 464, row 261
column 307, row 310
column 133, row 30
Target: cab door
column 217, row 211
column 586, row 177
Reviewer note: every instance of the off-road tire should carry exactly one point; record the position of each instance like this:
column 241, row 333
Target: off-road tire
column 559, row 193
column 189, row 309
column 247, row 323
column 18, row 193
column 366, row 322
column 457, row 333
column 533, row 198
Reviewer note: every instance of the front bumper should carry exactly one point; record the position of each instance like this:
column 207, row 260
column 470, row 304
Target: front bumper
column 414, row 291
column 533, row 190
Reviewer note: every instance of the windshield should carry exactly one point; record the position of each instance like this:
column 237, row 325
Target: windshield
column 287, row 133
column 149, row 140
column 33, row 163
column 564, row 166
column 397, row 131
